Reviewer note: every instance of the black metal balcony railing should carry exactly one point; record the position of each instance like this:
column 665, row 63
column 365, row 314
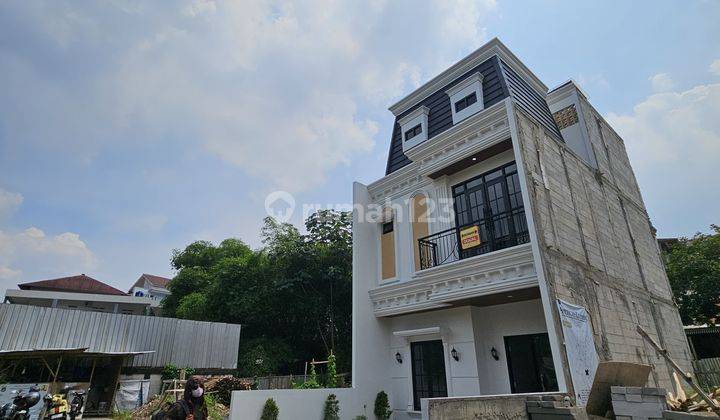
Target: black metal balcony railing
column 497, row 232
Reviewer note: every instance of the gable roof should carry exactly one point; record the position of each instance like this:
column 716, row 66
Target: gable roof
column 156, row 281
column 77, row 284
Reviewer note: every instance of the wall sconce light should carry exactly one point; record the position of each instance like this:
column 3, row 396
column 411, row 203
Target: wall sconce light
column 455, row 355
column 398, row 357
column 494, row 354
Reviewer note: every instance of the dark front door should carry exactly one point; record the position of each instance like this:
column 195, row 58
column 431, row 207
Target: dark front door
column 530, row 363
column 428, row 371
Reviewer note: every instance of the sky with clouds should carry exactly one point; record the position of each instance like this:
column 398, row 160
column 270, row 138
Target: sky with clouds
column 130, row 128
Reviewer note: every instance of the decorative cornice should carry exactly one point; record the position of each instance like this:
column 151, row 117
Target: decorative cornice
column 495, row 272
column 474, row 78
column 485, row 52
column 484, row 129
column 423, row 110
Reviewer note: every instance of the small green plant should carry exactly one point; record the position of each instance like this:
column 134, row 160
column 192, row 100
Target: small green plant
column 331, row 372
column 121, row 415
column 170, row 371
column 213, row 412
column 270, row 410
column 382, row 406
column 311, row 382
column 332, row 408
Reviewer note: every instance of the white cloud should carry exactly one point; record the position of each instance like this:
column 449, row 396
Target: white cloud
column 661, row 82
column 673, row 140
column 715, row 67
column 282, row 91
column 9, row 202
column 31, row 254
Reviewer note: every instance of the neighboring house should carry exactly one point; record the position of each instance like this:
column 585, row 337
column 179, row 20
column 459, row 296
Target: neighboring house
column 148, row 285
column 704, row 341
column 500, row 200
column 82, row 293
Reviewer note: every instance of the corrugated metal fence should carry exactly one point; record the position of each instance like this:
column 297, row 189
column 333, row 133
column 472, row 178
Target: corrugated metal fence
column 708, row 372
column 201, row 345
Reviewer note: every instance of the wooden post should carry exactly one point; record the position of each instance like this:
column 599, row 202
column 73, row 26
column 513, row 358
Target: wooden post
column 685, row 375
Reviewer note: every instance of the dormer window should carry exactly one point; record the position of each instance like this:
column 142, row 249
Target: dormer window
column 466, row 97
column 465, row 102
column 414, row 127
column 417, row 130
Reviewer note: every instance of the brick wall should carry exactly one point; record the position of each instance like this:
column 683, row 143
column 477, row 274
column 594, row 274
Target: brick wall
column 597, row 243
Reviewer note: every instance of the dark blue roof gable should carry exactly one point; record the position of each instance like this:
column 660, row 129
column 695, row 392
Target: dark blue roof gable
column 529, row 100
column 440, row 117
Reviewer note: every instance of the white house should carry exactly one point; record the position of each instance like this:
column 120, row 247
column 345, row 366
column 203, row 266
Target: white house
column 500, row 198
column 153, row 287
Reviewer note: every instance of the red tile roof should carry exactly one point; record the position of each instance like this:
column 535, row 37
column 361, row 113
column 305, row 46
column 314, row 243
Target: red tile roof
column 156, row 281
column 76, row 284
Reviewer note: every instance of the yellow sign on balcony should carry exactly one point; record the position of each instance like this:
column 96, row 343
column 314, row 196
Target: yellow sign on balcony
column 469, row 237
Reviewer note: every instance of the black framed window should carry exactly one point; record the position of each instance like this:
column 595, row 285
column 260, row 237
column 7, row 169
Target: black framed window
column 465, row 102
column 387, row 227
column 493, row 202
column 413, row 132
column 428, row 371
column 530, row 363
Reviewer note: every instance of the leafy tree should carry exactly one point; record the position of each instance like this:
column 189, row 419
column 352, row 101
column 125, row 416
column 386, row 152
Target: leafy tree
column 192, row 306
column 293, row 296
column 331, row 372
column 693, row 267
column 270, row 410
column 332, row 408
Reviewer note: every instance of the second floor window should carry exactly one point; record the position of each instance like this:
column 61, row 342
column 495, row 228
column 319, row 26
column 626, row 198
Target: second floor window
column 413, row 132
column 465, row 102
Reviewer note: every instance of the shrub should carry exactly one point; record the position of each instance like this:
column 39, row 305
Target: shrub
column 331, row 372
column 270, row 410
column 382, row 406
column 360, row 417
column 226, row 385
column 311, row 383
column 332, row 408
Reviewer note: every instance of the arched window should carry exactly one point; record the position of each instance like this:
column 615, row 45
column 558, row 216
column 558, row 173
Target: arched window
column 420, row 227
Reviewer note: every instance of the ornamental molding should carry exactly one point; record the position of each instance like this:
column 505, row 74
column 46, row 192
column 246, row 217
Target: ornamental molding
column 493, row 48
column 496, row 272
column 484, row 129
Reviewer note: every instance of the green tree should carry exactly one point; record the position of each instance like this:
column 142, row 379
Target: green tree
column 693, row 267
column 293, row 296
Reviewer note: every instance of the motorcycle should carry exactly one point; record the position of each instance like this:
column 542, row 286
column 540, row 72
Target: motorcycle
column 19, row 408
column 58, row 408
column 56, row 405
column 76, row 405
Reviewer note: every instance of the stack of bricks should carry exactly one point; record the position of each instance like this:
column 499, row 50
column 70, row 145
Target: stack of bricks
column 553, row 407
column 636, row 403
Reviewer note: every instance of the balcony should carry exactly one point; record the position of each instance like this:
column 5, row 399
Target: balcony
column 493, row 233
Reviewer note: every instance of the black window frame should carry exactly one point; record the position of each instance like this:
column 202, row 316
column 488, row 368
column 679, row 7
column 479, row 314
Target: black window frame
column 388, row 227
column 473, row 200
column 413, row 132
column 465, row 102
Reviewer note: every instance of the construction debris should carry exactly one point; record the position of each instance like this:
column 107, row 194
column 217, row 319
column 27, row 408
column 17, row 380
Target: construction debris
column 690, row 403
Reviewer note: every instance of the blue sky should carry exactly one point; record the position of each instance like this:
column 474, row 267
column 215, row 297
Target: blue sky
column 128, row 129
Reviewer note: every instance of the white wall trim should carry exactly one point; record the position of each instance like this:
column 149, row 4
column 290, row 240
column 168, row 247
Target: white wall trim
column 547, row 303
column 468, row 86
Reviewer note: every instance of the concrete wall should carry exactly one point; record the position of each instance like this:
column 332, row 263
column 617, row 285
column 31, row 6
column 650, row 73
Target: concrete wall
column 597, row 244
column 490, row 325
column 305, row 404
